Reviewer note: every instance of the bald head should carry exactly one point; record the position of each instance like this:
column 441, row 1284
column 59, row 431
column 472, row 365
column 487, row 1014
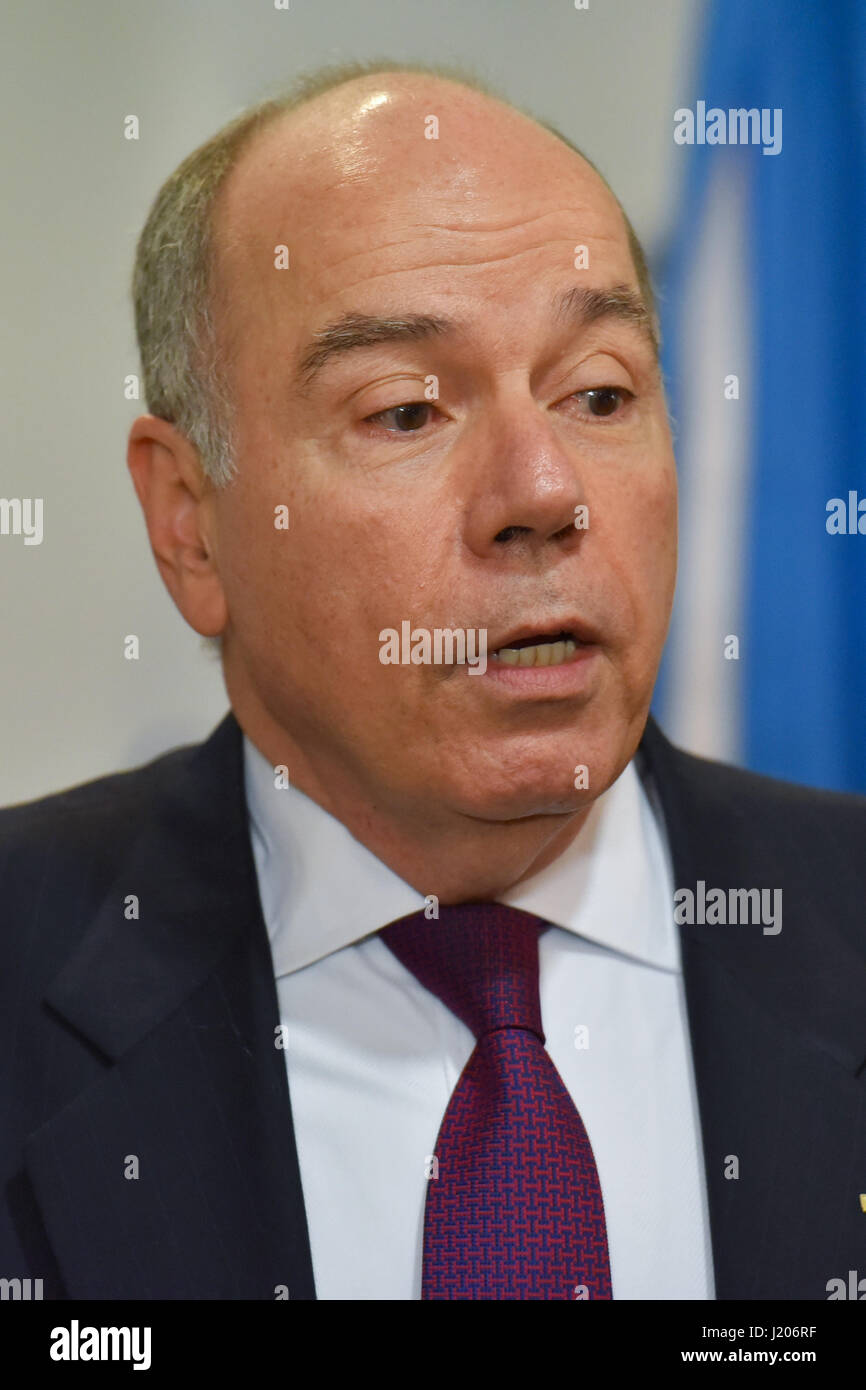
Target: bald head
column 395, row 178
column 332, row 127
column 367, row 175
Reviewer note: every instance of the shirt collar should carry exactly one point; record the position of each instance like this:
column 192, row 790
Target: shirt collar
column 322, row 890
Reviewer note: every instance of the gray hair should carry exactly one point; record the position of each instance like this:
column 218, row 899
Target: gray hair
column 185, row 381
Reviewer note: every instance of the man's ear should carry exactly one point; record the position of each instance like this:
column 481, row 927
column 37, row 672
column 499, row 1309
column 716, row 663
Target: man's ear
column 176, row 496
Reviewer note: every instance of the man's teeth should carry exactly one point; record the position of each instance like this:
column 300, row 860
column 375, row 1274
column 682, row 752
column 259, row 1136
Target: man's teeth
column 539, row 654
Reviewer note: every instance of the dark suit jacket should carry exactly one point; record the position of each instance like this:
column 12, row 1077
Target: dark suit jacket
column 154, row 1037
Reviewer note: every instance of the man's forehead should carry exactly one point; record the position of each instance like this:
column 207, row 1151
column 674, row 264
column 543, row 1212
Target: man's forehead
column 357, row 174
column 368, row 125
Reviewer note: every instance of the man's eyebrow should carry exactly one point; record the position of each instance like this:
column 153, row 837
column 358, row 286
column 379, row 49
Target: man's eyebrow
column 355, row 330
column 587, row 306
column 366, row 330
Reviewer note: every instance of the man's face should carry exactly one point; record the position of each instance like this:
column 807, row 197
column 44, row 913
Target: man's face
column 457, row 512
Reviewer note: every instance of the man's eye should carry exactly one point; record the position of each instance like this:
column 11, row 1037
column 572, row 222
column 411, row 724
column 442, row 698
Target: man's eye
column 406, row 418
column 601, row 401
column 605, row 400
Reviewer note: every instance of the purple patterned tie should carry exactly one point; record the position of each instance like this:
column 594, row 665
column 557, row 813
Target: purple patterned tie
column 516, row 1210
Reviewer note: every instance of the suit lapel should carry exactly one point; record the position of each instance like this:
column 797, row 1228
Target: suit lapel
column 174, row 1174
column 778, row 1032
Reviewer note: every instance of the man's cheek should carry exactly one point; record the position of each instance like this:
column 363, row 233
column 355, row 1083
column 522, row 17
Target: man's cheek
column 661, row 507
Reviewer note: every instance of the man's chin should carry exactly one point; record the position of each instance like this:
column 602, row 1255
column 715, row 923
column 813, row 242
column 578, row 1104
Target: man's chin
column 554, row 777
column 528, row 802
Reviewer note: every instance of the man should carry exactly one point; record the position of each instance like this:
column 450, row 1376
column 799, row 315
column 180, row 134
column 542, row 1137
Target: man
column 408, row 459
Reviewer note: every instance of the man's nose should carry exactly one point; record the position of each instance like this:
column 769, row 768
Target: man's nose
column 526, row 486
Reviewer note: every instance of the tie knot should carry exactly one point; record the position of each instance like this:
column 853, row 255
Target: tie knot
column 480, row 959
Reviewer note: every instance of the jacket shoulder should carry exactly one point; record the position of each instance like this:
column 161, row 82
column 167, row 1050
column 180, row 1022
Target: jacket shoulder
column 105, row 809
column 59, row 853
column 756, row 794
column 740, row 823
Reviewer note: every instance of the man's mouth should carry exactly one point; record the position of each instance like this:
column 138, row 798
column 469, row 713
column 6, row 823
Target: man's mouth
column 539, row 649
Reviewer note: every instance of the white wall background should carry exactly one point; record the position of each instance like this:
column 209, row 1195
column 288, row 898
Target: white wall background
column 75, row 194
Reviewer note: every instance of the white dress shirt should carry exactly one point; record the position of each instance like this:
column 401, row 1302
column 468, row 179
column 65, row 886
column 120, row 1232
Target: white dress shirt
column 373, row 1056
